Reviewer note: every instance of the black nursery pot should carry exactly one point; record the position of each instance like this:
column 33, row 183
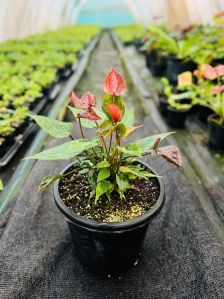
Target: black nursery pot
column 163, row 104
column 216, row 134
column 150, row 58
column 203, row 113
column 176, row 66
column 158, row 68
column 108, row 248
column 176, row 118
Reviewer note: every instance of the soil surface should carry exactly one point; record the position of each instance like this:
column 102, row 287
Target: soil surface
column 75, row 191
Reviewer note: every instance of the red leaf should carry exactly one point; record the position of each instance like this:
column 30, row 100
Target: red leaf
column 207, row 72
column 220, row 70
column 217, row 89
column 115, row 112
column 170, row 153
column 87, row 100
column 114, row 83
column 90, row 114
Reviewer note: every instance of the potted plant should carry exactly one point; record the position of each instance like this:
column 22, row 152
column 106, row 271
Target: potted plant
column 178, row 100
column 179, row 52
column 107, row 195
column 206, row 78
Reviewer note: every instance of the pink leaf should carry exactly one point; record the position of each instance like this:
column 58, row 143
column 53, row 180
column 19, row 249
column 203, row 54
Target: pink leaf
column 87, row 100
column 217, row 89
column 170, row 153
column 90, row 114
column 220, row 70
column 114, row 83
column 207, row 72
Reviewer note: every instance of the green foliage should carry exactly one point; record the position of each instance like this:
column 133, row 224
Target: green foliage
column 29, row 68
column 65, row 151
column 53, row 127
column 1, row 185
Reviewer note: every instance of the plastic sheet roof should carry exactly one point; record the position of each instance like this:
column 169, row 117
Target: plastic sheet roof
column 19, row 18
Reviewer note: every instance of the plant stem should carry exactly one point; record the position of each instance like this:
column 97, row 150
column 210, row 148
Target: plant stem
column 102, row 139
column 111, row 136
column 82, row 134
column 80, row 127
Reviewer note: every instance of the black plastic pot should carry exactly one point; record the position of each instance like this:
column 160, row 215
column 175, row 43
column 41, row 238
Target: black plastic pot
column 150, row 57
column 176, row 118
column 108, row 248
column 203, row 113
column 176, row 66
column 157, row 68
column 216, row 134
column 163, row 105
column 138, row 43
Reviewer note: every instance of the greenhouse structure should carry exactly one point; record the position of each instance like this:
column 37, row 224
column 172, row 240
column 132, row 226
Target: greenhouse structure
column 112, row 149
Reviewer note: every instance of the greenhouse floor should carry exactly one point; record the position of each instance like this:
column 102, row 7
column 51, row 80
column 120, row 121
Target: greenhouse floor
column 183, row 253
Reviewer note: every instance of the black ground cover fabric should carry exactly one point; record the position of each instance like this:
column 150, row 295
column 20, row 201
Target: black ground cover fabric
column 182, row 258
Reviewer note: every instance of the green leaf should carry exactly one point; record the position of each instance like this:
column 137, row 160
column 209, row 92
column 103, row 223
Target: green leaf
column 103, row 174
column 1, row 185
column 53, row 127
column 108, row 99
column 136, row 170
column 65, row 151
column 48, row 180
column 128, row 119
column 121, row 129
column 131, row 150
column 101, row 188
column 85, row 122
column 123, row 183
column 148, row 142
column 103, row 164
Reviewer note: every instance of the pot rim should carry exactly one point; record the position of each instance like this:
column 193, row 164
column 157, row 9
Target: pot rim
column 177, row 110
column 209, row 119
column 111, row 226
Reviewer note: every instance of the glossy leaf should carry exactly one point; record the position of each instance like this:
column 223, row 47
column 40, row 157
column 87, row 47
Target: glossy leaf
column 103, row 164
column 89, row 114
column 65, row 151
column 114, row 111
column 53, row 127
column 85, row 122
column 148, row 142
column 101, row 188
column 131, row 150
column 48, row 180
column 114, row 83
column 88, row 100
column 121, row 129
column 103, row 174
column 123, row 183
column 136, row 170
column 108, row 99
column 128, row 118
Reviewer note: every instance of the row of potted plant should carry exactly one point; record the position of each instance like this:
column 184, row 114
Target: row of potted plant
column 203, row 95
column 30, row 68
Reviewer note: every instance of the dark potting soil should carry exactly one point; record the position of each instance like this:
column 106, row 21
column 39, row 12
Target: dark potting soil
column 75, row 190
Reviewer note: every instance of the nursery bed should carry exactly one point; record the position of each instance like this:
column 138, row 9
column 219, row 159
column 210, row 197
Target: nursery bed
column 205, row 167
column 182, row 256
column 13, row 180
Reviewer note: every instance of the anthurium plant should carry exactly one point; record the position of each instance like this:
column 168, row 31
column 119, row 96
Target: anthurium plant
column 210, row 88
column 106, row 160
